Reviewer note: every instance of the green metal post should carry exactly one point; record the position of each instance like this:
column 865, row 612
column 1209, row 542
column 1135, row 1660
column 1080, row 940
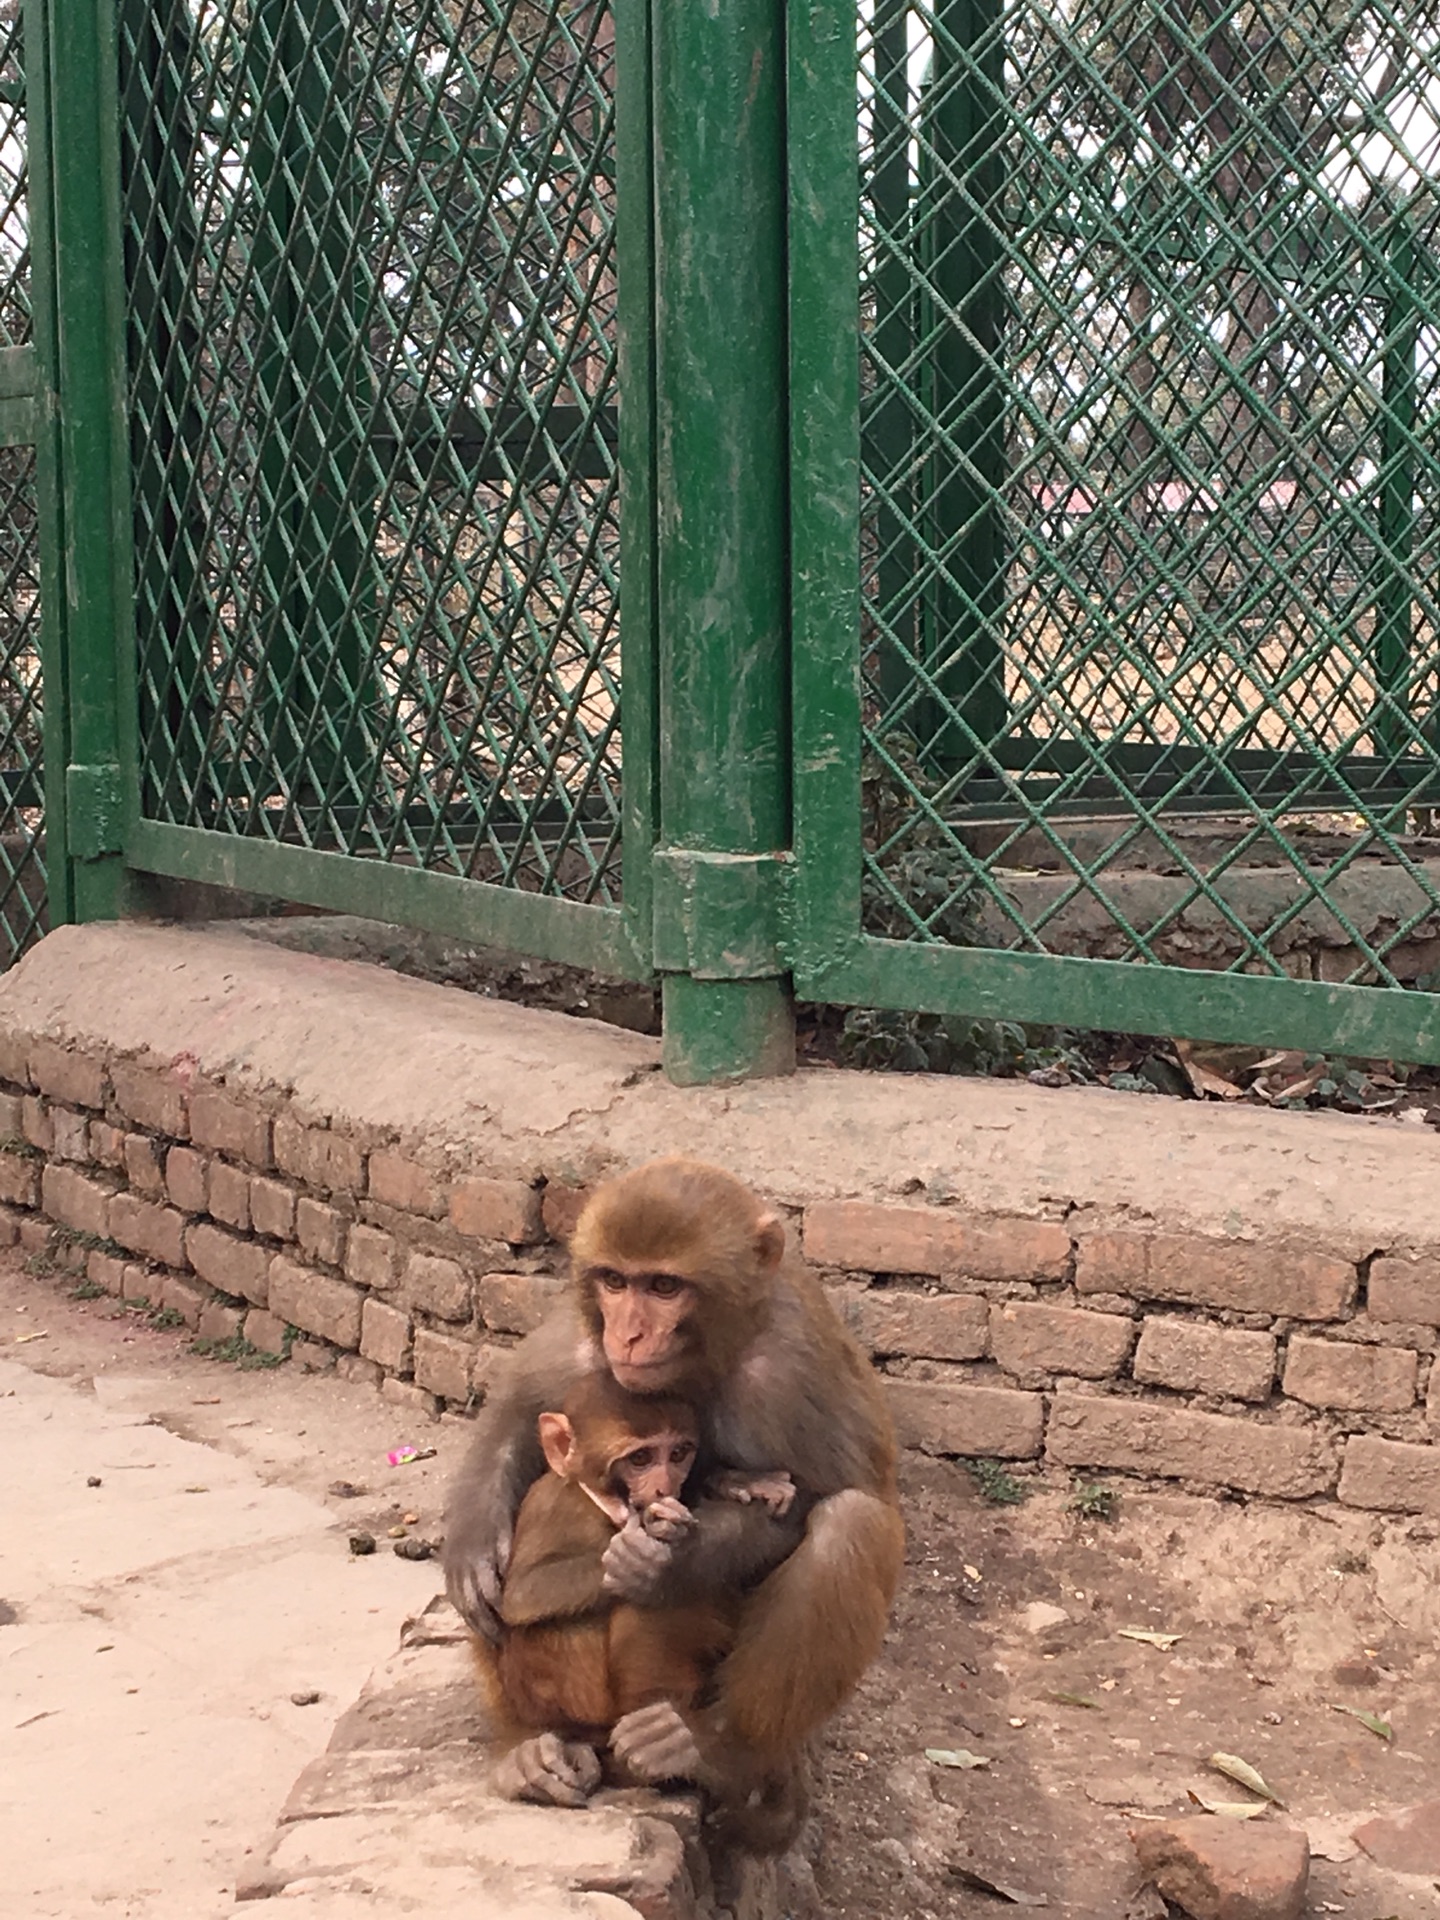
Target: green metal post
column 1395, row 595
column 80, row 341
column 719, row 184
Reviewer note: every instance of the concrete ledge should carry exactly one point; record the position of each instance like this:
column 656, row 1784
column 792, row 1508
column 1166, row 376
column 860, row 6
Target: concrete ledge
column 346, row 1165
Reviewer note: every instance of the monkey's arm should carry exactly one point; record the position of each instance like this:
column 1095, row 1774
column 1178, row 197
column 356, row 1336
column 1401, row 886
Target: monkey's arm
column 503, row 1460
column 560, row 1541
column 729, row 1546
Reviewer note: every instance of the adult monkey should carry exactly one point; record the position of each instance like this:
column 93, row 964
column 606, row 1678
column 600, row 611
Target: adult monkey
column 681, row 1287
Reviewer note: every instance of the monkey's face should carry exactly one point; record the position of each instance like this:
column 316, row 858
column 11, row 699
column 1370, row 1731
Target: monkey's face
column 656, row 1469
column 648, row 1332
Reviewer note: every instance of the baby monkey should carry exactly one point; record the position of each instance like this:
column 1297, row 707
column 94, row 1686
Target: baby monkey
column 573, row 1660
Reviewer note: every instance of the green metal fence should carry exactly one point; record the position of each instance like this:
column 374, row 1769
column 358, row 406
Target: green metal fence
column 1016, row 424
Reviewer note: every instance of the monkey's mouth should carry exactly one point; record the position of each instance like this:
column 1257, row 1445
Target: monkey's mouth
column 643, row 1376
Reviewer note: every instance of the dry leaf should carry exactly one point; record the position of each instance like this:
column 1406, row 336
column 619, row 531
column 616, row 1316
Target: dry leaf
column 1241, row 1771
column 1075, row 1700
column 1380, row 1728
column 1013, row 1896
column 1229, row 1809
column 956, row 1757
column 1161, row 1640
column 1205, row 1080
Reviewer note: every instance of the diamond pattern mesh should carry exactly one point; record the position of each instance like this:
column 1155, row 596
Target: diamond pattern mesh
column 1151, row 477
column 372, row 300
column 22, row 846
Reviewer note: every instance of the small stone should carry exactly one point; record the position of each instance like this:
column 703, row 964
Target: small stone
column 306, row 1697
column 94, row 1481
column 1216, row 1869
column 1040, row 1615
column 1405, row 1842
column 413, row 1549
column 345, row 1490
column 362, row 1543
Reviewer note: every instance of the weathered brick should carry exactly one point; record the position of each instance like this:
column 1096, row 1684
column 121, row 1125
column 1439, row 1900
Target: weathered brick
column 442, row 1364
column 413, row 1399
column 861, row 1238
column 497, row 1210
column 12, row 1115
column 107, row 1145
column 947, row 1326
column 385, row 1335
column 150, row 1096
column 36, row 1235
column 141, row 1282
column 19, row 1180
column 313, row 1356
column 15, row 1056
column 1195, row 1358
column 228, row 1192
column 272, row 1208
column 1288, row 1463
column 360, row 1373
column 145, row 1164
column 1238, row 1274
column 436, row 1285
column 104, row 1270
column 226, row 1126
column 234, row 1266
column 145, row 1227
column 1432, row 1400
column 1405, row 1290
column 405, row 1184
column 997, row 1422
column 267, row 1331
column 560, row 1208
column 315, row 1302
column 71, row 1134
column 371, row 1258
column 320, row 1230
column 188, row 1298
column 76, row 1200
column 1356, row 1379
column 320, row 1158
column 35, row 1122
column 1390, row 1476
column 516, row 1302
column 186, row 1178
column 65, row 1075
column 1027, row 1338
column 219, row 1321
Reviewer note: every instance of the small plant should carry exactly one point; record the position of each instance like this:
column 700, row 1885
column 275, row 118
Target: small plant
column 87, row 1290
column 41, row 1265
column 997, row 1486
column 20, row 1147
column 237, row 1351
column 163, row 1319
column 1092, row 1500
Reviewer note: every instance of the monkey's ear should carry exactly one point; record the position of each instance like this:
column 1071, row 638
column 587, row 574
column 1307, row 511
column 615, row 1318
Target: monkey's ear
column 769, row 1241
column 557, row 1442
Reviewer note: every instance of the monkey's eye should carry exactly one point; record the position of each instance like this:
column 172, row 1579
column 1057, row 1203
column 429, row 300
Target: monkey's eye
column 685, row 1451
column 609, row 1282
column 665, row 1286
column 641, row 1458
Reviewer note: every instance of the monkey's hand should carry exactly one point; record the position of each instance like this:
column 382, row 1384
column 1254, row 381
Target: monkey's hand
column 658, row 1743
column 773, row 1491
column 473, row 1581
column 635, row 1562
column 666, row 1519
column 552, row 1771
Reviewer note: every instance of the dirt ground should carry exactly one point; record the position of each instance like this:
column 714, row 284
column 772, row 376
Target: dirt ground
column 1006, row 1644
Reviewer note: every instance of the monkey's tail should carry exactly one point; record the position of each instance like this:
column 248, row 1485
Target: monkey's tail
column 814, row 1625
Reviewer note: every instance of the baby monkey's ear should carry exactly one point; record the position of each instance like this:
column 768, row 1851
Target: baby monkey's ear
column 557, row 1442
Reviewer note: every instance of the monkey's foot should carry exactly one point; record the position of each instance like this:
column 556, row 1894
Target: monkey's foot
column 657, row 1743
column 547, row 1769
column 773, row 1490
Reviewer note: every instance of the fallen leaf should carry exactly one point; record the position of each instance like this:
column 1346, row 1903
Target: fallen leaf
column 1229, row 1809
column 1241, row 1771
column 956, row 1757
column 1075, row 1700
column 1013, row 1896
column 1380, row 1728
column 1161, row 1640
column 1203, row 1079
column 23, row 1339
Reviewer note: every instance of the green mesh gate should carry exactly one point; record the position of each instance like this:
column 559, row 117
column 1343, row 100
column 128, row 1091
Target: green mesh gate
column 1125, row 497
column 22, row 846
column 371, row 287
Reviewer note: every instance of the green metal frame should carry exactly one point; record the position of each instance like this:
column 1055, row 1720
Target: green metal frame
column 832, row 958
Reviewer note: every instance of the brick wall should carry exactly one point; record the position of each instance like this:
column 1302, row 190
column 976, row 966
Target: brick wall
column 1281, row 1370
